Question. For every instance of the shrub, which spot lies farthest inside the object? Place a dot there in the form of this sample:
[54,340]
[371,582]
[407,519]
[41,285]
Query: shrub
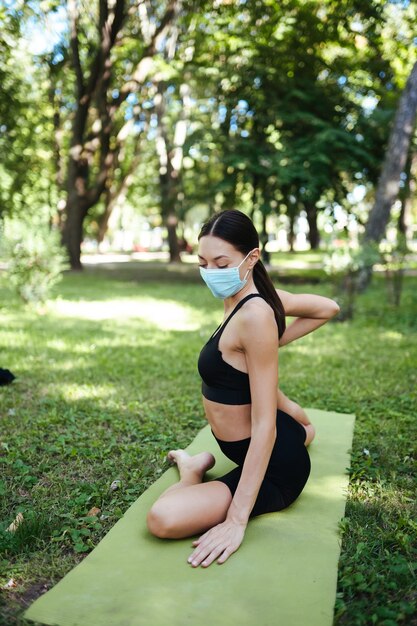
[36,259]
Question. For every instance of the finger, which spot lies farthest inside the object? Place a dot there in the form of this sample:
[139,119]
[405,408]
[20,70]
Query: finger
[201,544]
[201,538]
[201,553]
[225,555]
[213,556]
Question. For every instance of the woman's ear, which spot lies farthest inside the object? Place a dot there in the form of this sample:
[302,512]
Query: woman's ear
[255,255]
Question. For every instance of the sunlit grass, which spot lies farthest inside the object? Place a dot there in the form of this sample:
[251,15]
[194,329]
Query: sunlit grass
[164,314]
[107,382]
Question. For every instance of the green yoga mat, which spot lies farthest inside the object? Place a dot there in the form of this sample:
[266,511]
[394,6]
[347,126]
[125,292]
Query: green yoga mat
[284,573]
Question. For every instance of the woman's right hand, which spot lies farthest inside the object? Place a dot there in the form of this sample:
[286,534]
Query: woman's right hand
[217,543]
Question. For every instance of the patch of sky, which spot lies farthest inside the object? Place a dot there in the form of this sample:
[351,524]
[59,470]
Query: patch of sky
[242,107]
[46,31]
[356,26]
[161,44]
[115,93]
[151,134]
[369,103]
[222,113]
[244,133]
[132,98]
[357,194]
[139,126]
[342,80]
[57,58]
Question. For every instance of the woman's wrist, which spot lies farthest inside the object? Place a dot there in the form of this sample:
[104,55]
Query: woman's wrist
[240,518]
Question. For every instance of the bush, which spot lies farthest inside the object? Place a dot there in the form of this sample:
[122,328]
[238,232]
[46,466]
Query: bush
[36,259]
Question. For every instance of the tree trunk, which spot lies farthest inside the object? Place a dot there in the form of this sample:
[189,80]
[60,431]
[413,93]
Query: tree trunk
[73,231]
[313,232]
[394,164]
[406,195]
[171,223]
[291,233]
[116,195]
[170,153]
[266,257]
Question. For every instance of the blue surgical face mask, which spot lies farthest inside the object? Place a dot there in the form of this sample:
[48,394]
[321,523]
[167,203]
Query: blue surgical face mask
[226,282]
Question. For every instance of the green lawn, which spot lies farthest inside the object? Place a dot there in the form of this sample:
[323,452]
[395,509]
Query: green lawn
[107,383]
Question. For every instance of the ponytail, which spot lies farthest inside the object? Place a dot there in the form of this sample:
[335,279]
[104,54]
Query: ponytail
[267,290]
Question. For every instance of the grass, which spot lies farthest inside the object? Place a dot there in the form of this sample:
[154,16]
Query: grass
[107,382]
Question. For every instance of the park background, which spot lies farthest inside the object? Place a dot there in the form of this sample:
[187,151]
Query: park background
[123,125]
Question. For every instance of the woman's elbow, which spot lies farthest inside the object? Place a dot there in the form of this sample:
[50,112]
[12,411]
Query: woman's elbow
[264,430]
[332,309]
[335,308]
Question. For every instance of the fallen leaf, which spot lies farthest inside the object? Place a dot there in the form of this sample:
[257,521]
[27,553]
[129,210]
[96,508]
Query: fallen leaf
[11,583]
[13,526]
[93,511]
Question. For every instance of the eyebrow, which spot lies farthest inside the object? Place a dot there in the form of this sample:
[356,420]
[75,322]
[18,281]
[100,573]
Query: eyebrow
[216,257]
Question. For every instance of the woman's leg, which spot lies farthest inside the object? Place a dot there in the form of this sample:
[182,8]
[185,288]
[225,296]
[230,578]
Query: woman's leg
[190,506]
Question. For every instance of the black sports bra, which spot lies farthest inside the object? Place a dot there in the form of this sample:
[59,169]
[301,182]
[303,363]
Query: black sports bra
[222,382]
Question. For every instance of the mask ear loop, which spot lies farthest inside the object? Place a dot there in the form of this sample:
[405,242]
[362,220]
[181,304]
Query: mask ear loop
[247,274]
[251,268]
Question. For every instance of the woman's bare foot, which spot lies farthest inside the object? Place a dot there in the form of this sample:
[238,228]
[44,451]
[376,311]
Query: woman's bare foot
[197,464]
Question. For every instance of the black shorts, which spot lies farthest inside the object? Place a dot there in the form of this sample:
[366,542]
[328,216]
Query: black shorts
[288,468]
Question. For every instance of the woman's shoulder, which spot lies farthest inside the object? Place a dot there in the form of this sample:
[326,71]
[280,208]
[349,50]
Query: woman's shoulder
[257,314]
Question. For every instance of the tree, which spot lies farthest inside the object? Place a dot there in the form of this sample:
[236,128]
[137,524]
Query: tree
[99,93]
[394,163]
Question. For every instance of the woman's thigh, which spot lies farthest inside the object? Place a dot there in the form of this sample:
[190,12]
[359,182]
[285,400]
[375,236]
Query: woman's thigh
[189,510]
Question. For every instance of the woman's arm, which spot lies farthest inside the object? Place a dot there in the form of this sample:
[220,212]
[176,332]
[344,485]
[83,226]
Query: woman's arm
[259,341]
[311,311]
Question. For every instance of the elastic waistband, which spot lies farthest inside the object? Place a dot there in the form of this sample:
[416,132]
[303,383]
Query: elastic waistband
[227,443]
[240,441]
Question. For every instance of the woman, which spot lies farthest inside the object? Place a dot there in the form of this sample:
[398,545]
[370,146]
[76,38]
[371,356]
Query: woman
[255,424]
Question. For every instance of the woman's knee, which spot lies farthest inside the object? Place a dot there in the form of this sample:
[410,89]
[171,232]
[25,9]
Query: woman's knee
[159,521]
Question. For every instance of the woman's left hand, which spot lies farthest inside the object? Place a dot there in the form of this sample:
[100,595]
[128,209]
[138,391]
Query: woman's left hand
[217,543]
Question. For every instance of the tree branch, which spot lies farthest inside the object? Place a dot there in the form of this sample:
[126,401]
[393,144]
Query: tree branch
[142,68]
[73,19]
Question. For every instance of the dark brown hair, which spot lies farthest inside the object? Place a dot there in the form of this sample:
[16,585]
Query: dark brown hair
[237,229]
